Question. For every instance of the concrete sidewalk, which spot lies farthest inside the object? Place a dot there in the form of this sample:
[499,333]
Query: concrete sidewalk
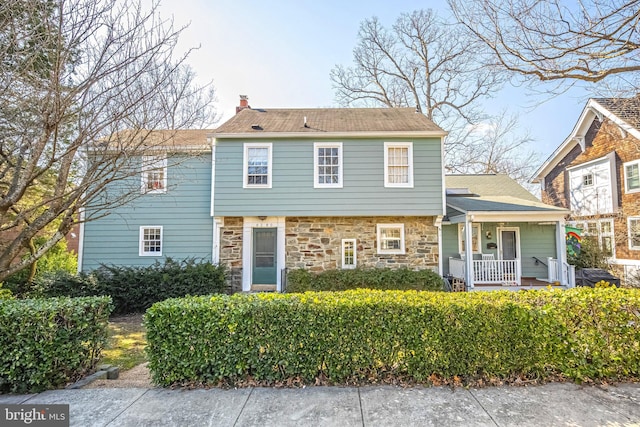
[553,404]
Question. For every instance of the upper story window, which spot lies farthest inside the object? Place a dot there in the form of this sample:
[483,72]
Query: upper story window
[634,232]
[150,241]
[154,174]
[632,176]
[587,180]
[327,165]
[398,164]
[257,165]
[475,238]
[390,238]
[349,256]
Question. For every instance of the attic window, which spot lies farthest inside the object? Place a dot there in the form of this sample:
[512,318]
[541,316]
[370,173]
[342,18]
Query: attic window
[587,180]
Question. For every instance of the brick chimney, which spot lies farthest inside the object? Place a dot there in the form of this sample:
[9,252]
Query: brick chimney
[244,103]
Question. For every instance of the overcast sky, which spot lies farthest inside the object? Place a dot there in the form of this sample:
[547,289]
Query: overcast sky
[280,53]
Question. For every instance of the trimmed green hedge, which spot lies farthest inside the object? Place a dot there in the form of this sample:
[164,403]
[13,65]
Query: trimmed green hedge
[47,343]
[301,280]
[135,289]
[362,336]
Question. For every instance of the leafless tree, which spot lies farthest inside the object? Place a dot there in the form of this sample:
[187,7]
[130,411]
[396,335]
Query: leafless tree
[497,145]
[423,61]
[83,86]
[555,40]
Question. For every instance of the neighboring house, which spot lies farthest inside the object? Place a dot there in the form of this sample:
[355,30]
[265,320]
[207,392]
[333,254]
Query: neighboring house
[325,189]
[170,211]
[516,239]
[595,173]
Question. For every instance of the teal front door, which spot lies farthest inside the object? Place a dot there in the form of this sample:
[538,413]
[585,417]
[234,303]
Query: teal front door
[264,260]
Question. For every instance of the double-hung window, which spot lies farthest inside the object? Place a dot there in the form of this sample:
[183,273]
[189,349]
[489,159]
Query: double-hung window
[602,232]
[632,176]
[475,238]
[349,253]
[150,241]
[154,174]
[327,159]
[390,238]
[257,165]
[398,164]
[634,232]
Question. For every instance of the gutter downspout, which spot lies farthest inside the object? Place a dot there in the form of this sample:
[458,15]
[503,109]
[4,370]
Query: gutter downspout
[438,223]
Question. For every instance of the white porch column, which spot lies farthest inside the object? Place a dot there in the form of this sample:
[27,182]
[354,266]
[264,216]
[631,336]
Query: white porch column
[468,251]
[561,251]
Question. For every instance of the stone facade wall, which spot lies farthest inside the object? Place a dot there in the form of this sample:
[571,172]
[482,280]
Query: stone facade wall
[231,251]
[315,243]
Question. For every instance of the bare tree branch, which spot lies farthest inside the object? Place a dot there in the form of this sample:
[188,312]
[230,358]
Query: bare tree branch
[83,86]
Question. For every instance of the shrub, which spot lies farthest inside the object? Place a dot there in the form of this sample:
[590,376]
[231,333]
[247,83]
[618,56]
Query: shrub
[135,289]
[591,255]
[5,293]
[300,280]
[57,260]
[363,336]
[47,343]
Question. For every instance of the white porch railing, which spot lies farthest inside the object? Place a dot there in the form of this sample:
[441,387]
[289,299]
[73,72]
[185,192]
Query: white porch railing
[488,271]
[496,271]
[559,270]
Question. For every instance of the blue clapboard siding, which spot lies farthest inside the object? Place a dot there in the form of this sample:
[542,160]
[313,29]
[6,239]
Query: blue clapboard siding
[536,240]
[363,192]
[184,212]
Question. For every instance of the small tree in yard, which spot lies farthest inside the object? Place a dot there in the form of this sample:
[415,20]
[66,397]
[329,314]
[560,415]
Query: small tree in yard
[84,84]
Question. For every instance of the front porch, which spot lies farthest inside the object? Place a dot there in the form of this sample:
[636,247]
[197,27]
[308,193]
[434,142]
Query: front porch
[492,274]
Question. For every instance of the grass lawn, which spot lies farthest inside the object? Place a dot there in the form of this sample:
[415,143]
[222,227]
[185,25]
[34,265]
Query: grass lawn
[127,340]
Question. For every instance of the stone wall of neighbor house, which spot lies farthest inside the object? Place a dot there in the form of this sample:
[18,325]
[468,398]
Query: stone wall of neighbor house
[315,243]
[231,251]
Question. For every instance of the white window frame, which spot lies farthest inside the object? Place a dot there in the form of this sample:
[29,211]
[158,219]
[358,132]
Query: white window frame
[584,226]
[355,253]
[245,165]
[141,242]
[151,164]
[316,165]
[588,177]
[629,219]
[624,167]
[409,147]
[461,235]
[380,228]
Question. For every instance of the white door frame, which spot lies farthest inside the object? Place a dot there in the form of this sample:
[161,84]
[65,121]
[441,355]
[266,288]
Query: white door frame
[499,230]
[248,224]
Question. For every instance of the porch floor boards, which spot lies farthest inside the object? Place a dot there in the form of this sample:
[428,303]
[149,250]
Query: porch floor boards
[526,283]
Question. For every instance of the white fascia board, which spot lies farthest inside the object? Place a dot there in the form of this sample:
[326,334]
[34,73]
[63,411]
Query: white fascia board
[615,119]
[567,145]
[525,216]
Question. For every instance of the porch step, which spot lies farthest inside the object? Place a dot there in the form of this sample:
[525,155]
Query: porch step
[263,288]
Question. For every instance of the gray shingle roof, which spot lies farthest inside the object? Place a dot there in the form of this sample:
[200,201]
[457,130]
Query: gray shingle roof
[329,120]
[627,109]
[489,185]
[495,193]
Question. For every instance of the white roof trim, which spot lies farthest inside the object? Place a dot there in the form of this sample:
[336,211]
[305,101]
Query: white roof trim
[274,135]
[592,110]
[589,163]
